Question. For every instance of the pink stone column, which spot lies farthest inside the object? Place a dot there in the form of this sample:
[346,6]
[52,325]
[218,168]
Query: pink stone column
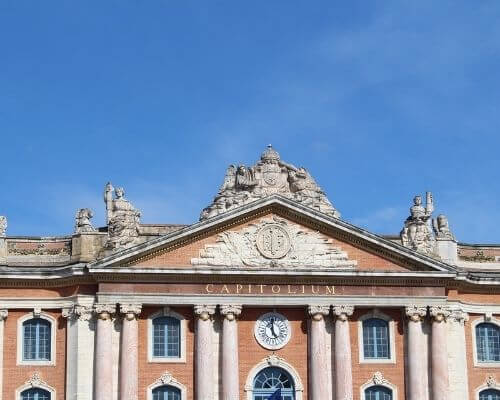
[103,355]
[416,385]
[318,364]
[129,370]
[204,360]
[439,353]
[230,365]
[343,364]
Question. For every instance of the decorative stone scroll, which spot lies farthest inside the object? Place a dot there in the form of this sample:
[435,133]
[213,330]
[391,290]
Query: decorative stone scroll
[104,311]
[3,314]
[416,313]
[459,316]
[3,225]
[318,312]
[230,311]
[204,312]
[36,380]
[273,242]
[343,312]
[439,313]
[82,220]
[269,176]
[123,219]
[131,311]
[78,311]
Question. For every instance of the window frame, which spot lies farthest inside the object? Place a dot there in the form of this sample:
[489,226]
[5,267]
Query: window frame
[167,380]
[167,312]
[482,320]
[391,336]
[20,340]
[380,382]
[485,389]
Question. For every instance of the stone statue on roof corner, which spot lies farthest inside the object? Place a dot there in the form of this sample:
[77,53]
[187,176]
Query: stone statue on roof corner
[123,219]
[417,233]
[82,220]
[268,176]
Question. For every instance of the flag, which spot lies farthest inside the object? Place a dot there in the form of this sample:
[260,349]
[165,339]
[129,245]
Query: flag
[276,395]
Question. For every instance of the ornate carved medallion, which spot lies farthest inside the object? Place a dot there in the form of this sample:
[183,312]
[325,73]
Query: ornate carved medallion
[273,241]
[272,331]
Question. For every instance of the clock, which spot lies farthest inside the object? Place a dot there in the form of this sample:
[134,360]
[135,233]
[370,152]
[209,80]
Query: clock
[272,331]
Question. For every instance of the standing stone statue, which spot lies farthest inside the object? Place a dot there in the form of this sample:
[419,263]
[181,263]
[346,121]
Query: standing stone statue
[122,217]
[268,176]
[417,234]
[82,220]
[3,225]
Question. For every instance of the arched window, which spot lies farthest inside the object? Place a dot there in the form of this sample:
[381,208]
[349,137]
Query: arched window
[166,337]
[489,394]
[376,339]
[269,380]
[36,340]
[35,394]
[488,342]
[166,393]
[378,393]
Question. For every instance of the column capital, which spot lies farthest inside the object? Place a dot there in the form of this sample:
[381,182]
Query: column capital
[343,311]
[78,311]
[317,312]
[204,311]
[439,313]
[459,316]
[230,311]
[3,314]
[104,311]
[130,310]
[415,313]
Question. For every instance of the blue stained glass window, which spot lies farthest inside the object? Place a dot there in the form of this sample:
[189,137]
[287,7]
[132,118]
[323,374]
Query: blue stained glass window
[36,340]
[166,337]
[376,338]
[489,394]
[488,342]
[166,393]
[35,394]
[378,393]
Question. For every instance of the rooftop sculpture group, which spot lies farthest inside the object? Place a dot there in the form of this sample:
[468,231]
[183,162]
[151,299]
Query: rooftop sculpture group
[418,234]
[269,176]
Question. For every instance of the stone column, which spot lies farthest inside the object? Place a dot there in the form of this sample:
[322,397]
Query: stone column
[204,360]
[439,353]
[416,368]
[457,356]
[3,316]
[343,364]
[230,365]
[129,369]
[79,352]
[103,352]
[318,363]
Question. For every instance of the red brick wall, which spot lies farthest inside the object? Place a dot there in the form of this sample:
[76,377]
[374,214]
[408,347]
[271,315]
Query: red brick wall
[14,375]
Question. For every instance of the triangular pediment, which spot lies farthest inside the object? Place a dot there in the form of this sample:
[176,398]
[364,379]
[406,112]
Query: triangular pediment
[273,234]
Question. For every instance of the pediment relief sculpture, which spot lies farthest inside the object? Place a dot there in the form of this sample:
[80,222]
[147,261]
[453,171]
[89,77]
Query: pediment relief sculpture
[268,176]
[273,242]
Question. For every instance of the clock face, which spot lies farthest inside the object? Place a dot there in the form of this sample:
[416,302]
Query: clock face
[272,331]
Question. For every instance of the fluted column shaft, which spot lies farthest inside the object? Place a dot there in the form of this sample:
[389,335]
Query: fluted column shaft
[318,364]
[204,362]
[129,369]
[416,385]
[230,364]
[439,353]
[343,364]
[103,353]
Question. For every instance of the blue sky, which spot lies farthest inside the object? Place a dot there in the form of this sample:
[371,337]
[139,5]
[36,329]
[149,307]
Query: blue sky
[379,100]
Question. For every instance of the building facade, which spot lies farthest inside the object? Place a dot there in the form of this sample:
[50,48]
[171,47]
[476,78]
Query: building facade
[270,290]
